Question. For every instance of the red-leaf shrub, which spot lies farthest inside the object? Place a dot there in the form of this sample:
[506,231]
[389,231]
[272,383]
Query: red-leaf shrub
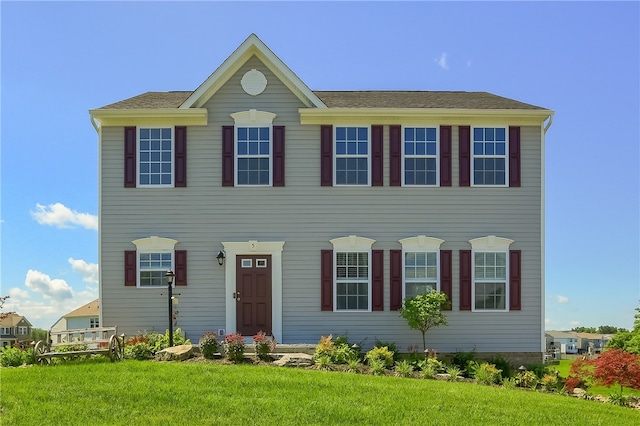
[617,366]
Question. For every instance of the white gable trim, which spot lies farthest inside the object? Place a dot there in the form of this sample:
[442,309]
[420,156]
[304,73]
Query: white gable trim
[250,47]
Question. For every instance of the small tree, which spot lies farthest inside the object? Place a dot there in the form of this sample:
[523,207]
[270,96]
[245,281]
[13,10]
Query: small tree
[617,366]
[424,312]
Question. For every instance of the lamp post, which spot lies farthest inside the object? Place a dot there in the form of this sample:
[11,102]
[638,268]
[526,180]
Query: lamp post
[170,276]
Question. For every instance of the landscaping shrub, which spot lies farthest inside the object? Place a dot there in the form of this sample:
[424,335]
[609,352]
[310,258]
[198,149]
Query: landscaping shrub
[391,346]
[380,355]
[526,379]
[403,368]
[264,346]
[209,344]
[234,347]
[486,374]
[462,359]
[159,341]
[15,357]
[338,351]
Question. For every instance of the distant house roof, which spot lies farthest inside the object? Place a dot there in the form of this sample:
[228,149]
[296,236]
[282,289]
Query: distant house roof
[354,99]
[562,334]
[13,319]
[594,336]
[89,310]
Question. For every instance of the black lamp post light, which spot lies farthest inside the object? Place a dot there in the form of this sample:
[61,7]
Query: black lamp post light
[220,257]
[170,276]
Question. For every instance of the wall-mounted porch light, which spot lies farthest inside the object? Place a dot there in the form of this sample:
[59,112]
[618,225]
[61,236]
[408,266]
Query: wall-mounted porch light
[220,257]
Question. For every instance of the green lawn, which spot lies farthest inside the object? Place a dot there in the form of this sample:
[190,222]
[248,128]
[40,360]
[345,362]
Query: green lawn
[154,393]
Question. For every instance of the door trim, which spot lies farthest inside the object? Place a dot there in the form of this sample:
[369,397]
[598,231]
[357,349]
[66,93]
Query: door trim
[253,247]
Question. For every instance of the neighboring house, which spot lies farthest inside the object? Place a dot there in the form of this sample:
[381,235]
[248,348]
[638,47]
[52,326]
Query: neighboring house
[564,341]
[87,316]
[15,329]
[595,341]
[329,207]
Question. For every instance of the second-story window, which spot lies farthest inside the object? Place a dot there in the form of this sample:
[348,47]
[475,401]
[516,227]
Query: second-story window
[254,155]
[489,167]
[155,156]
[352,156]
[420,149]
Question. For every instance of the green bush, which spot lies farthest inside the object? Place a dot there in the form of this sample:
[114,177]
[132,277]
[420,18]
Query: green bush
[403,368]
[15,357]
[209,344]
[140,350]
[159,341]
[382,354]
[486,374]
[391,346]
[234,347]
[526,379]
[338,351]
[462,360]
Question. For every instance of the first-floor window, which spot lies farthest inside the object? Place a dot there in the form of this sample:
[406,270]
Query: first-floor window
[6,330]
[94,322]
[352,281]
[420,272]
[490,280]
[152,267]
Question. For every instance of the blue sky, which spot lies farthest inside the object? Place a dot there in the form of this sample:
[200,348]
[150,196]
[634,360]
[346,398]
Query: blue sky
[58,60]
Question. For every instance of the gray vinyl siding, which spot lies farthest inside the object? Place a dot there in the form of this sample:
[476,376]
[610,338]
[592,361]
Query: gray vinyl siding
[306,216]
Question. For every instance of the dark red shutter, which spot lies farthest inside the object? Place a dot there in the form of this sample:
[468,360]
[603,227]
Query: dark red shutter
[395,155]
[464,146]
[227,155]
[278,155]
[326,155]
[130,268]
[326,280]
[396,280]
[181,267]
[514,156]
[377,155]
[446,276]
[465,280]
[445,155]
[180,156]
[377,280]
[130,157]
[515,280]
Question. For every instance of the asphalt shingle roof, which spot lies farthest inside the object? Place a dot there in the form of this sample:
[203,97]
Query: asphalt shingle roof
[354,99]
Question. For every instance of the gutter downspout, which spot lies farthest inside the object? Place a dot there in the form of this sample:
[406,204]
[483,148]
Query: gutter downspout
[543,283]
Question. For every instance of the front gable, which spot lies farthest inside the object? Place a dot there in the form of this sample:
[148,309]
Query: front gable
[251,82]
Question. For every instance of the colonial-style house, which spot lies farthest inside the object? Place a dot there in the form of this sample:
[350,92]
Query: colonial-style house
[15,330]
[86,316]
[305,213]
[564,342]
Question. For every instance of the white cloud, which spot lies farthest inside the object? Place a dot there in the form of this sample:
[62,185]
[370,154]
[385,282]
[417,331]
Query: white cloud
[89,271]
[55,289]
[561,299]
[442,61]
[574,323]
[62,216]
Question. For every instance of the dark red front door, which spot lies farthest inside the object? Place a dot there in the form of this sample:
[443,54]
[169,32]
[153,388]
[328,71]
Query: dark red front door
[253,294]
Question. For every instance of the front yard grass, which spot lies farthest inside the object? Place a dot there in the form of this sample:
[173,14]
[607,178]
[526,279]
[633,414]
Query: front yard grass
[163,393]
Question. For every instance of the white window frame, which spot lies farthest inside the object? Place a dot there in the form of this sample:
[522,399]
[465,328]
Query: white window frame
[420,244]
[152,245]
[351,244]
[94,322]
[505,156]
[252,119]
[336,155]
[139,158]
[489,244]
[436,157]
[23,330]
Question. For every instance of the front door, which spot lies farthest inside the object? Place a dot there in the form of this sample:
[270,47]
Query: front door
[253,294]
